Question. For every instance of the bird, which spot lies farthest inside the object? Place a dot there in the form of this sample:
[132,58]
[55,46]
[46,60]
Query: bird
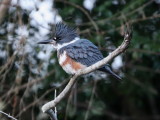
[75,53]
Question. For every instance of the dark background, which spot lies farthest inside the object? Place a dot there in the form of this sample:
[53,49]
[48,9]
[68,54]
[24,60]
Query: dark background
[27,81]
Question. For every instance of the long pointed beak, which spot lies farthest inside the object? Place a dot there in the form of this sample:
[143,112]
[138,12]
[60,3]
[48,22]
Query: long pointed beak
[45,42]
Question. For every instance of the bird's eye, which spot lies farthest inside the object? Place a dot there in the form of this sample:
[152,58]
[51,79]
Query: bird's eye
[54,38]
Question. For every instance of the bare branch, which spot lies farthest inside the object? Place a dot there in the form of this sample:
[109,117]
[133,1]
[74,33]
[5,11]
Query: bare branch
[8,115]
[3,9]
[119,50]
[50,112]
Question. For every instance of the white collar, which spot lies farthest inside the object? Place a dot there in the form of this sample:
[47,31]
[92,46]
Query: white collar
[59,46]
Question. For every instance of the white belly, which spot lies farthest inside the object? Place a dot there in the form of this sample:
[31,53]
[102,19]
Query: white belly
[68,68]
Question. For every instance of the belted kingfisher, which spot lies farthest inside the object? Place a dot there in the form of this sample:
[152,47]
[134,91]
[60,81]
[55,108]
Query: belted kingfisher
[74,53]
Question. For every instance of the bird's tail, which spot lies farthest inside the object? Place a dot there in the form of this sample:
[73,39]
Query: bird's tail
[108,70]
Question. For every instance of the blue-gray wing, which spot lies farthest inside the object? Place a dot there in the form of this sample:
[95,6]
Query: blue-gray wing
[84,52]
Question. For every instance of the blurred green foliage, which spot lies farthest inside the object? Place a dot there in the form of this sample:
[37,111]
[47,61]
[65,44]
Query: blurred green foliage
[135,98]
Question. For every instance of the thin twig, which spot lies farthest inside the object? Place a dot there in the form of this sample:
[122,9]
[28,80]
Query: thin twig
[83,10]
[35,102]
[91,100]
[8,115]
[118,16]
[50,112]
[29,84]
[55,109]
[119,50]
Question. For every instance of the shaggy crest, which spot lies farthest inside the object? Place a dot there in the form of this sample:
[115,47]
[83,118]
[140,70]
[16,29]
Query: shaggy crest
[62,30]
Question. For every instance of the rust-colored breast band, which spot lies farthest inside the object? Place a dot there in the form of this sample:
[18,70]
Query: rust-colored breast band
[74,65]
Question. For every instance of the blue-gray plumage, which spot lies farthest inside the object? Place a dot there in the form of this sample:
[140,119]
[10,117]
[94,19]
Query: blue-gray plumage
[83,51]
[74,53]
[86,53]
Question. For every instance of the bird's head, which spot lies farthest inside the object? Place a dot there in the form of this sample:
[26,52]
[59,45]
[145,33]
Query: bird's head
[62,34]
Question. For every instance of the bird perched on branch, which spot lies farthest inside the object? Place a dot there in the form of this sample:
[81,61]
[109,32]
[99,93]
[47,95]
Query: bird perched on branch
[75,53]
